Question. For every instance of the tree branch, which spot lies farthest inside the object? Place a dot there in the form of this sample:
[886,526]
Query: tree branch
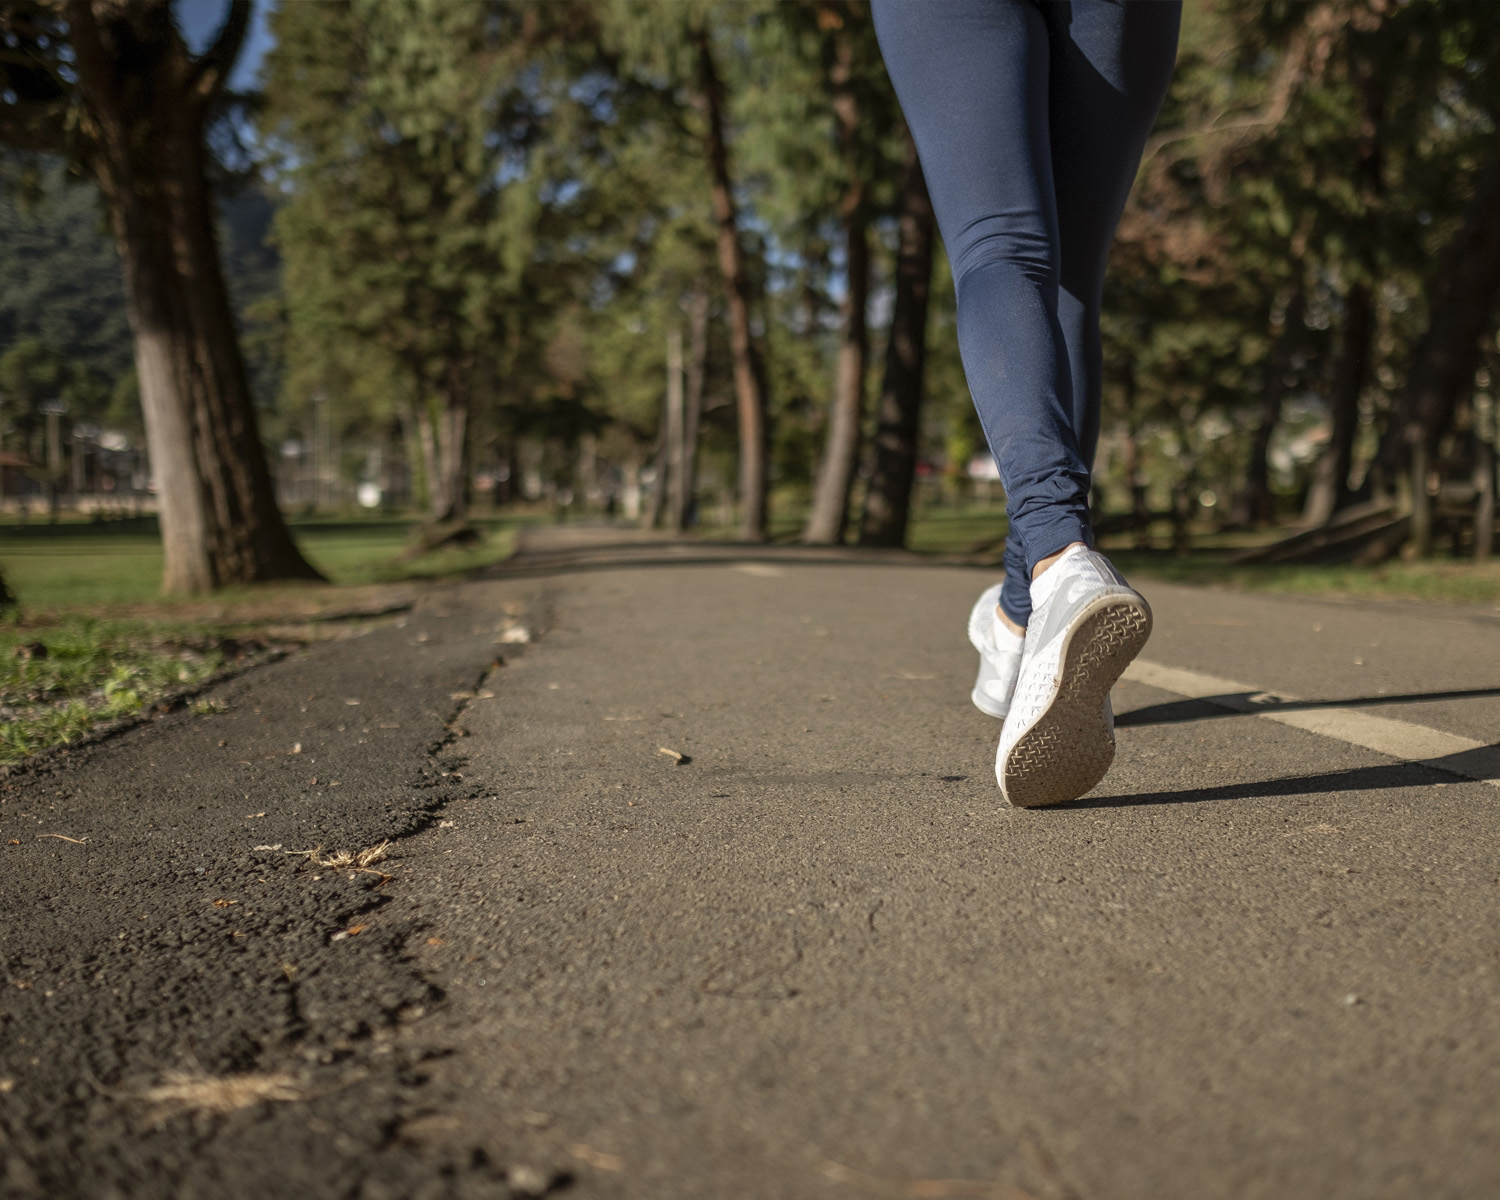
[212,68]
[41,128]
[98,83]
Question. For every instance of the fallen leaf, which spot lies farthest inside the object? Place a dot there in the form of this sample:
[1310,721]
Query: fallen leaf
[596,1158]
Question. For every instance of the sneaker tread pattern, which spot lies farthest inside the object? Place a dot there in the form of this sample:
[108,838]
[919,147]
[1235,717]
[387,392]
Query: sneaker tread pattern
[1071,745]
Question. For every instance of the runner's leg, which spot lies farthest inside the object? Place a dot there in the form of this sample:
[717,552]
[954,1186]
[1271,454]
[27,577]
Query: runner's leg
[972,77]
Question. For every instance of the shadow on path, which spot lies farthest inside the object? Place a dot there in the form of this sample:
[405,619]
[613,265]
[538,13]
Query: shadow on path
[1355,779]
[1249,704]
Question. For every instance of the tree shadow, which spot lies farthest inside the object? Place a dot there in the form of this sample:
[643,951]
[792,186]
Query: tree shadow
[1465,765]
[1239,704]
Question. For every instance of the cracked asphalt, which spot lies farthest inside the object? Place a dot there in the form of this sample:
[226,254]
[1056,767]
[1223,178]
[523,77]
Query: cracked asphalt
[813,956]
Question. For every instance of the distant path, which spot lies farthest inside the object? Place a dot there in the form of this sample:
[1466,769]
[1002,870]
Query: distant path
[817,958]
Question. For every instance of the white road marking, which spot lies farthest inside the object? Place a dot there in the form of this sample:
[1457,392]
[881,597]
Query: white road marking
[1385,735]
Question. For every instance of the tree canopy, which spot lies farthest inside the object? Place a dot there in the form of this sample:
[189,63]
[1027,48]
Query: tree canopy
[673,250]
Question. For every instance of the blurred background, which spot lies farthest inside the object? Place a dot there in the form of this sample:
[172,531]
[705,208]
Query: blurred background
[671,264]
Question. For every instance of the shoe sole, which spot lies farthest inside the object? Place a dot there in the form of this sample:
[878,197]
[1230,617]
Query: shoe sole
[1070,747]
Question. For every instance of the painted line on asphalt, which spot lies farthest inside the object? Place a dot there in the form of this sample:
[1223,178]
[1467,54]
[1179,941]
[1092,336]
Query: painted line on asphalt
[1396,739]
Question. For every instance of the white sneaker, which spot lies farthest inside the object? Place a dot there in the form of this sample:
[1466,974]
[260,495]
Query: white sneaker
[999,655]
[1086,625]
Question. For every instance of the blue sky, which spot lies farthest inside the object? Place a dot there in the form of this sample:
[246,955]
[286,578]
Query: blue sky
[199,21]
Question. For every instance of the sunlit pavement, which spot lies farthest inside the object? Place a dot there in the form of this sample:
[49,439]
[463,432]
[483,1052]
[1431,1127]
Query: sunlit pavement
[722,900]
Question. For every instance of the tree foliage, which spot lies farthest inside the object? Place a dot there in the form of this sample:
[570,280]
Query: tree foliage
[608,248]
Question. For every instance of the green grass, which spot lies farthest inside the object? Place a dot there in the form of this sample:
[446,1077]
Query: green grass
[976,531]
[75,582]
[59,681]
[957,530]
[1440,581]
[84,567]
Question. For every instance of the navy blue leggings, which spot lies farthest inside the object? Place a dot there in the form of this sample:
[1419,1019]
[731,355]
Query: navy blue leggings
[1030,118]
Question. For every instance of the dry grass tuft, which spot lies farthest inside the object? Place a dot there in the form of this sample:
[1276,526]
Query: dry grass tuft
[347,860]
[180,1092]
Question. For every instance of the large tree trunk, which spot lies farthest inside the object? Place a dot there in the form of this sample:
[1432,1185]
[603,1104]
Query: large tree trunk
[1461,297]
[147,102]
[1255,504]
[888,500]
[685,512]
[749,383]
[421,450]
[442,427]
[657,504]
[1329,490]
[450,483]
[830,505]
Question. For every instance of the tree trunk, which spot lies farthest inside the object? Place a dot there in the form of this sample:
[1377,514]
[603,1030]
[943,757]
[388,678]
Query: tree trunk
[1184,505]
[1484,494]
[888,500]
[829,517]
[661,459]
[1255,504]
[672,433]
[1461,295]
[146,102]
[1329,490]
[697,369]
[1420,545]
[419,418]
[749,384]
[830,506]
[450,484]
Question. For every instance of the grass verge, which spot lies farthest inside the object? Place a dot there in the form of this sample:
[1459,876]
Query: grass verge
[1436,581]
[93,642]
[84,567]
[62,679]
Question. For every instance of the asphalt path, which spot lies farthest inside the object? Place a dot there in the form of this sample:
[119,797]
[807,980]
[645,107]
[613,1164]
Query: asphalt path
[708,891]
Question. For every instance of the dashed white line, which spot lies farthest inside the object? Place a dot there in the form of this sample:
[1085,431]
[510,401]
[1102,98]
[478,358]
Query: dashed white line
[1397,739]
